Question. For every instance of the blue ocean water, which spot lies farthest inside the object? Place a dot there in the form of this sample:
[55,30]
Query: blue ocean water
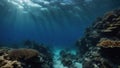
[56,23]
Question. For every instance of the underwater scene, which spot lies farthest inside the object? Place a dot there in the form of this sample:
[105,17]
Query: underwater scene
[59,33]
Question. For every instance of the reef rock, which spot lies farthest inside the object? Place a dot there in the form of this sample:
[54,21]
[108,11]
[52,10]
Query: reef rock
[23,58]
[100,46]
[5,62]
[45,52]
[67,58]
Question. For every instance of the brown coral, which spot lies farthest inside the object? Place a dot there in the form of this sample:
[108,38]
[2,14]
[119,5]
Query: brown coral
[109,43]
[24,54]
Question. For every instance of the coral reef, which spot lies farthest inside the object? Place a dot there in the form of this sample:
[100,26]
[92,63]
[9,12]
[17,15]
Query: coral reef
[35,56]
[101,43]
[44,51]
[93,59]
[17,57]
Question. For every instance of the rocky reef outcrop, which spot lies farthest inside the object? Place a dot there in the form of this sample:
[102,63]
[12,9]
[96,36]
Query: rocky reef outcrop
[5,61]
[26,57]
[68,58]
[100,46]
[44,50]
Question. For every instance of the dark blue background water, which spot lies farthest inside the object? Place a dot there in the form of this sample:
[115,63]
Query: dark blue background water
[56,26]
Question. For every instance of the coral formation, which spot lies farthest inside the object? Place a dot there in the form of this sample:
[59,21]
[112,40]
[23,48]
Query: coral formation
[25,54]
[14,58]
[108,43]
[100,46]
[36,56]
[44,51]
[5,62]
